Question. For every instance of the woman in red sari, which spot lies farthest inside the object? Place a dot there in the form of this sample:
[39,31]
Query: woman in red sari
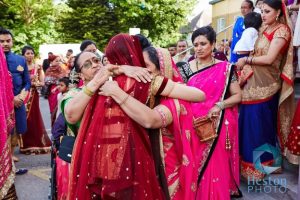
[7,171]
[36,139]
[119,164]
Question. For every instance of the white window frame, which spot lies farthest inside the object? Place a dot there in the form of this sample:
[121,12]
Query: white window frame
[221,24]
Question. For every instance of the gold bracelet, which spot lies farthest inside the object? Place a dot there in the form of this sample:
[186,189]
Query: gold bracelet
[87,91]
[124,100]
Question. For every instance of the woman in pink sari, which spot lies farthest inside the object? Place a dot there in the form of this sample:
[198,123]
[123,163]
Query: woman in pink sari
[217,159]
[7,171]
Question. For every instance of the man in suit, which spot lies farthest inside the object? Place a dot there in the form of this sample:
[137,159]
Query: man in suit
[21,84]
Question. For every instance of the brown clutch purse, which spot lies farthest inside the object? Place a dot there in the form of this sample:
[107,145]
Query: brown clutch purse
[206,127]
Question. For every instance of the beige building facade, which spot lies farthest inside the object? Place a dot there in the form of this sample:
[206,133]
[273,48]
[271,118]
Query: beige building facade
[224,14]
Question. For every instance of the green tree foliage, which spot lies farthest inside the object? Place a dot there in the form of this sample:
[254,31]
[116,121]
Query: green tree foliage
[160,20]
[31,21]
[99,20]
[88,19]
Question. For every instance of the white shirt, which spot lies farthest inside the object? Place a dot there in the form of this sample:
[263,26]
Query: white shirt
[247,41]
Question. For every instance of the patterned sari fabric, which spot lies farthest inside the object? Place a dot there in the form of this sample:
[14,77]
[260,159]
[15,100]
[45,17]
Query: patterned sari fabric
[176,139]
[267,94]
[112,156]
[36,139]
[293,146]
[215,182]
[7,172]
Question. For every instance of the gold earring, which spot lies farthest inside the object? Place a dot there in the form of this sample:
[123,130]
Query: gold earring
[277,17]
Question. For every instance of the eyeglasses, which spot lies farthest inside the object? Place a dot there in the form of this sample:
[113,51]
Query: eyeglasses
[89,63]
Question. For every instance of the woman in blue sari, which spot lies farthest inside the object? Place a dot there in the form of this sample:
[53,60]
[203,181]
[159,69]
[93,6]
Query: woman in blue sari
[266,110]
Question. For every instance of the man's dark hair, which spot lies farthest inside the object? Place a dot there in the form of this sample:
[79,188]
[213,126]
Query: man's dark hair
[251,4]
[70,50]
[253,19]
[65,80]
[182,40]
[27,47]
[4,31]
[86,43]
[172,45]
[257,2]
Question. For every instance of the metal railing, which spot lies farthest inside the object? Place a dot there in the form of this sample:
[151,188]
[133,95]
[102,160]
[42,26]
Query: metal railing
[221,31]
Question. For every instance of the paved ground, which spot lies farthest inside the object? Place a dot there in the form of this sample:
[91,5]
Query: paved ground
[35,184]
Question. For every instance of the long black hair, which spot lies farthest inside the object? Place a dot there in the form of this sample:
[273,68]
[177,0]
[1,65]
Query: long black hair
[275,4]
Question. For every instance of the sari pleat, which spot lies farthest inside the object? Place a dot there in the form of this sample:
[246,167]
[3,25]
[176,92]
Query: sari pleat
[216,182]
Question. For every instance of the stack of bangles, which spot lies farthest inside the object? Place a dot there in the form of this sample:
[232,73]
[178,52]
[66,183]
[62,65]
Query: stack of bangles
[221,105]
[87,91]
[249,60]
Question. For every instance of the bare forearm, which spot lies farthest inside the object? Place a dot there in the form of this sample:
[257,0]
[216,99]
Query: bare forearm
[137,111]
[181,91]
[236,95]
[75,108]
[294,7]
[232,100]
[261,60]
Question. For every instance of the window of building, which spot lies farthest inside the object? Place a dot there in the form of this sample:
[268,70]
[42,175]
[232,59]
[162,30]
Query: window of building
[221,23]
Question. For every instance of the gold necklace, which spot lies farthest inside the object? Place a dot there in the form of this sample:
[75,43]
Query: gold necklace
[202,65]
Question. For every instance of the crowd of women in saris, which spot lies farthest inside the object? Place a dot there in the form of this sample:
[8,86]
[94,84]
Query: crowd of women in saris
[137,135]
[141,133]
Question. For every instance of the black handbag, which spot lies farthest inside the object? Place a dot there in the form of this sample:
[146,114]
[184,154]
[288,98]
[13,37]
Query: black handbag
[66,148]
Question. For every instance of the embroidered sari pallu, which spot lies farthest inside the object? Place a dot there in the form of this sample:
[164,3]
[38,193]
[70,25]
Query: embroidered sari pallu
[215,182]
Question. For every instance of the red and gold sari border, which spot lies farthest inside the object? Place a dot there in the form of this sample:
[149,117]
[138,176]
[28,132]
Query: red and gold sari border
[292,158]
[256,101]
[287,79]
[248,170]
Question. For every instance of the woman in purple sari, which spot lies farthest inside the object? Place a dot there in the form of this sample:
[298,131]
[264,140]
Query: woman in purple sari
[218,81]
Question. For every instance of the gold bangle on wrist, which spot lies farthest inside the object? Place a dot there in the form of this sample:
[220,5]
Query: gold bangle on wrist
[87,91]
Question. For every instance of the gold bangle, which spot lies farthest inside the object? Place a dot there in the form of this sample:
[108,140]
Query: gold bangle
[124,100]
[87,91]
